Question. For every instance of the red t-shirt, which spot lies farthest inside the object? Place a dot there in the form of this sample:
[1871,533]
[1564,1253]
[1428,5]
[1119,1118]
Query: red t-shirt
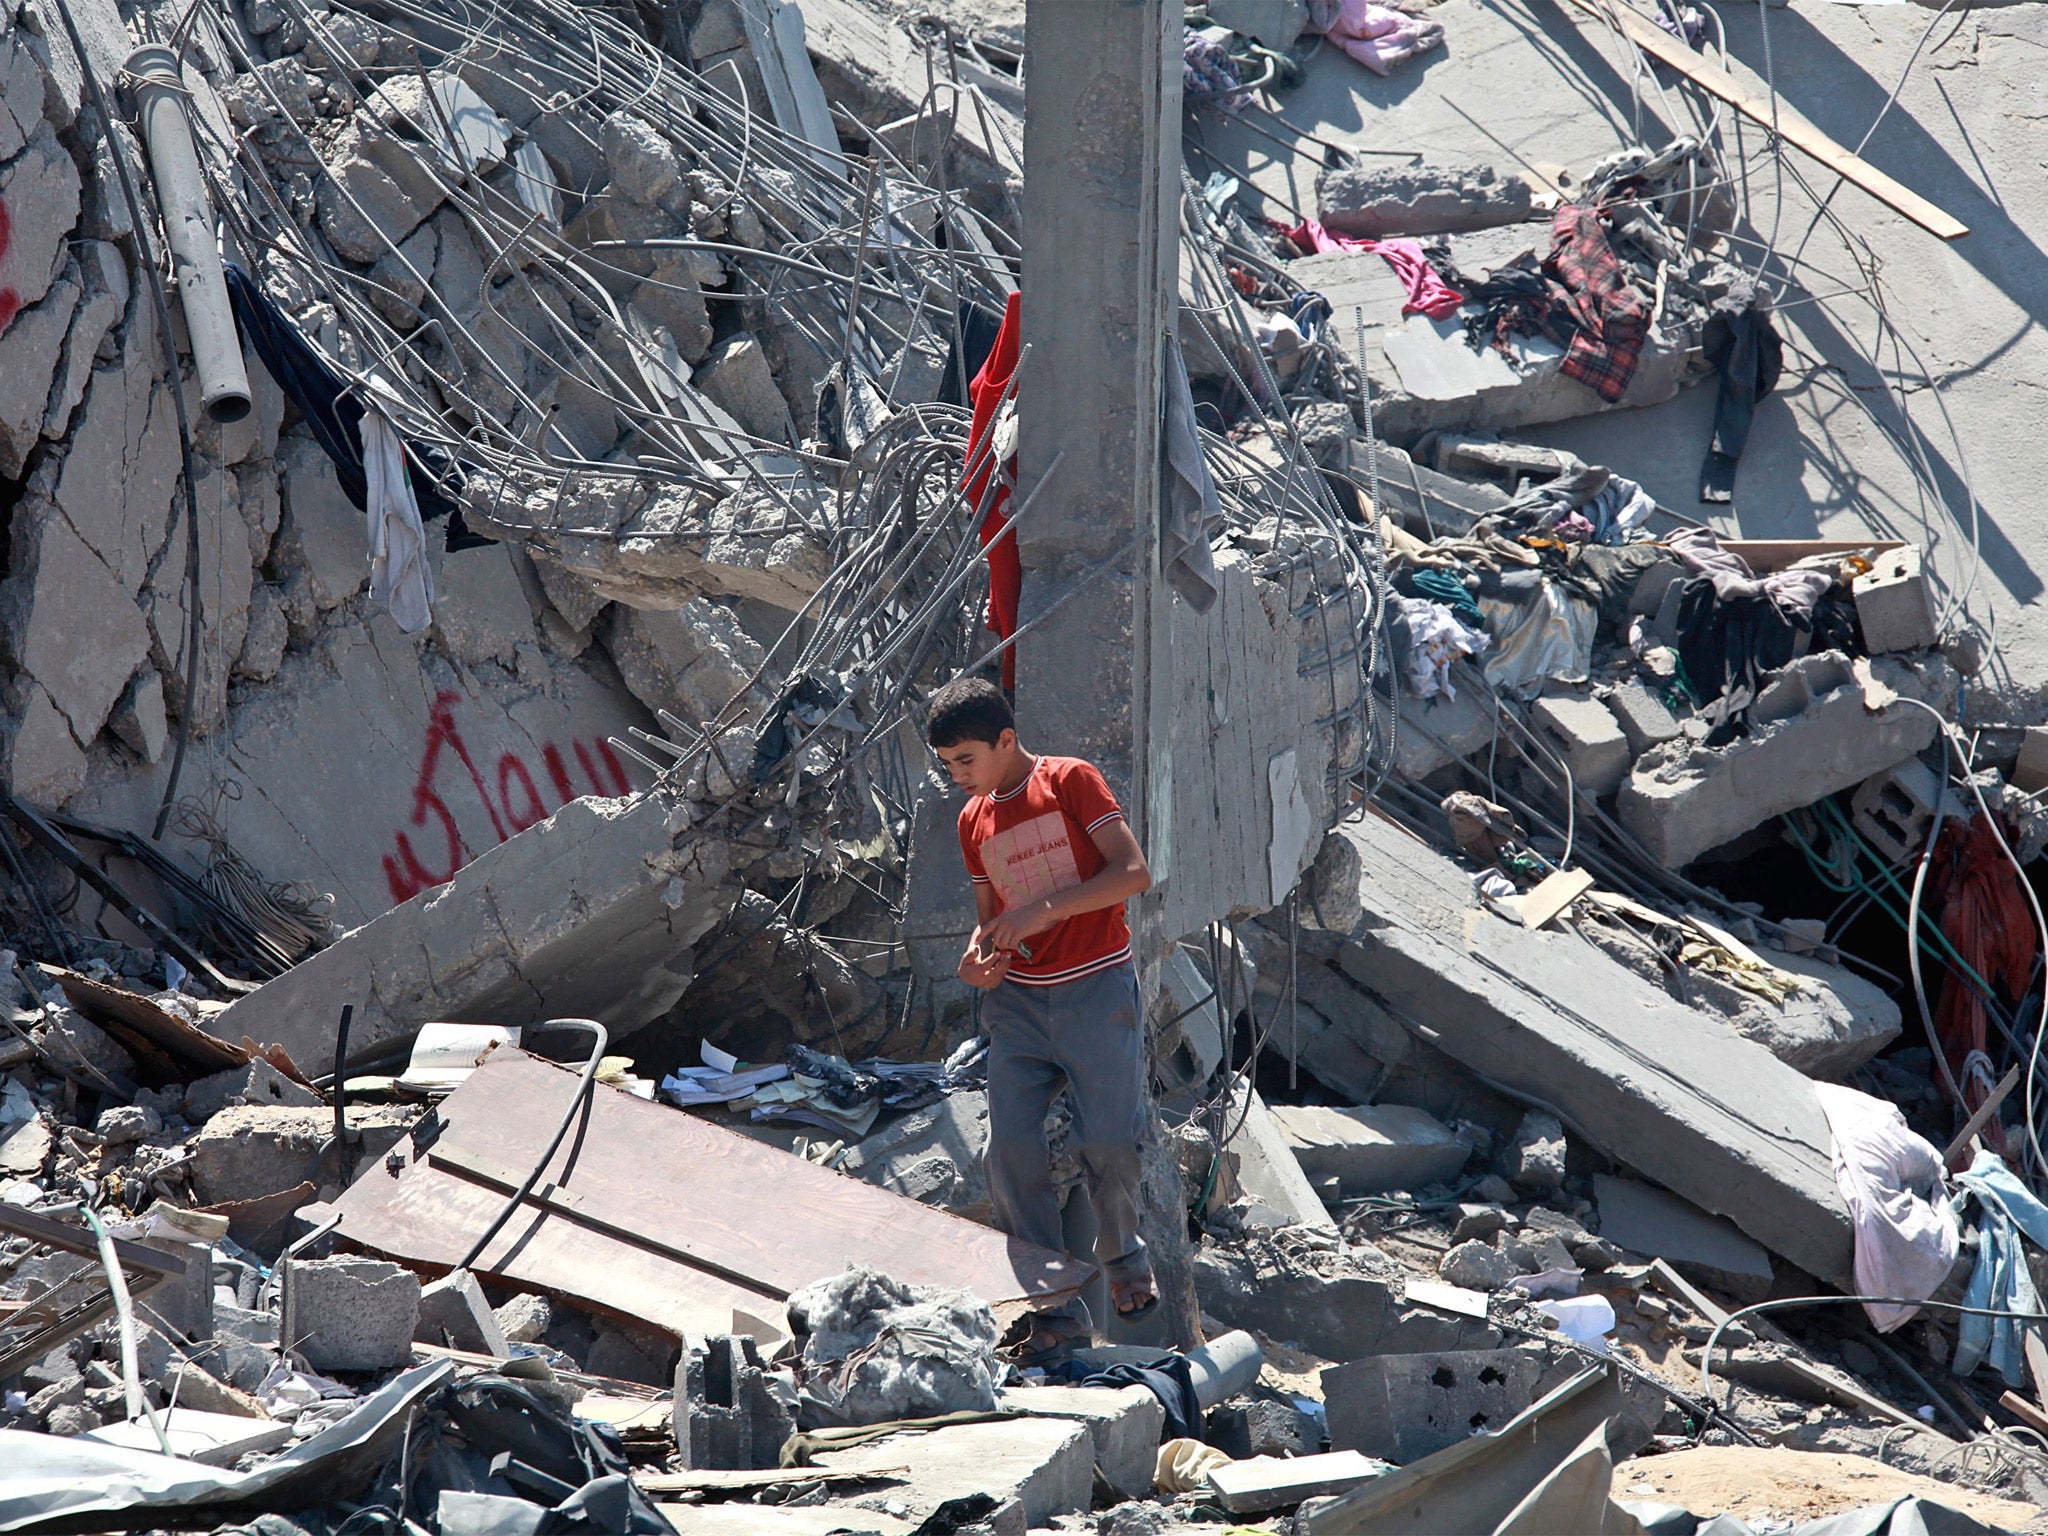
[1038,839]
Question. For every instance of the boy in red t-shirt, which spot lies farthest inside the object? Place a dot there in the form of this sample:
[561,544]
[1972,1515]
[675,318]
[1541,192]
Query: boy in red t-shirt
[1053,861]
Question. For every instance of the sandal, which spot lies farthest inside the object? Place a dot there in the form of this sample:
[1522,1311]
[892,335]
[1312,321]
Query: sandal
[1121,1292]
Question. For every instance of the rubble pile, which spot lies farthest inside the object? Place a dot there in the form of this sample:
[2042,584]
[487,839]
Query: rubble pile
[491,494]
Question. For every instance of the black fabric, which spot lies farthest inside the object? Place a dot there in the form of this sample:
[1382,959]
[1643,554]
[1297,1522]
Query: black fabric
[1615,569]
[1169,1378]
[1728,648]
[1751,357]
[334,413]
[973,340]
[460,1430]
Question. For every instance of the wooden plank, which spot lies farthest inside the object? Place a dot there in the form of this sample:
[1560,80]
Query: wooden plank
[1832,1389]
[1955,1159]
[650,1213]
[1790,125]
[2037,1360]
[2024,1411]
[1550,896]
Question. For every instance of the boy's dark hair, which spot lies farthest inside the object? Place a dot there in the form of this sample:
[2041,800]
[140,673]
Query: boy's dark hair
[968,709]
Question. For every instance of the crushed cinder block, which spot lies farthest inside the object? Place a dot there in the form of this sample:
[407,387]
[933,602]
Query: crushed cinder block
[351,1314]
[1261,1427]
[1373,1148]
[524,1319]
[726,1413]
[1895,603]
[453,1313]
[1401,1408]
[1476,1265]
[1590,740]
[1642,716]
[1536,1154]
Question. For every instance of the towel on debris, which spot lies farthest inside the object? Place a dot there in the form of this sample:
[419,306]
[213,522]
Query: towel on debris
[1428,294]
[1892,1182]
[1381,36]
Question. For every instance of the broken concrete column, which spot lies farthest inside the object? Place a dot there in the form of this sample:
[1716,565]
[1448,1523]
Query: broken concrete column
[352,1314]
[736,375]
[726,1413]
[692,661]
[1821,725]
[1373,200]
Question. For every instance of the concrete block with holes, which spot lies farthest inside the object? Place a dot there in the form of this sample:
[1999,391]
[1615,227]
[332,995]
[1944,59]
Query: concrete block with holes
[1401,1408]
[1895,604]
[1589,740]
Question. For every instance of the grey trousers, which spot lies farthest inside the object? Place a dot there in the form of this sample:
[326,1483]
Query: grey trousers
[1084,1036]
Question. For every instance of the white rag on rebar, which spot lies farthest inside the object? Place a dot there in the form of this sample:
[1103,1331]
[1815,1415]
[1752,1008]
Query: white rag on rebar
[399,577]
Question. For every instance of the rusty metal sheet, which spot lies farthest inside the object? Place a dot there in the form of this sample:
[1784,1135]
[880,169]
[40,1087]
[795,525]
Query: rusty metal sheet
[188,1045]
[654,1214]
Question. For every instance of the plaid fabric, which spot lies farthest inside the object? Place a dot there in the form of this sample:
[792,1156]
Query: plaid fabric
[1611,319]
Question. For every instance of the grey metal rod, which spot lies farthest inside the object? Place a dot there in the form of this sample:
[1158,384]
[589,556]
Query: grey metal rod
[188,230]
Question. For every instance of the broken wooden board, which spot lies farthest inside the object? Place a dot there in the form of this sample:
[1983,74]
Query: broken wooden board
[653,1214]
[1778,116]
[187,1045]
[1550,896]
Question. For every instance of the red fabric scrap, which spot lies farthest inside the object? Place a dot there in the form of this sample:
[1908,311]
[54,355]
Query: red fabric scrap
[1428,294]
[1986,916]
[1005,570]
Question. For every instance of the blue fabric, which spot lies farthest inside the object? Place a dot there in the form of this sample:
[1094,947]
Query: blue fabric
[2006,1210]
[335,414]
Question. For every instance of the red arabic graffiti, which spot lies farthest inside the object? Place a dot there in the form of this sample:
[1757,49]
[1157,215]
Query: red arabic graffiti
[10,301]
[511,798]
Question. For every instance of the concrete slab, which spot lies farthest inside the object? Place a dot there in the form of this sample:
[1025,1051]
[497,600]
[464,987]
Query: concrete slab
[1372,1148]
[1672,1092]
[1657,1224]
[1124,1426]
[1338,1317]
[1265,1482]
[1046,1465]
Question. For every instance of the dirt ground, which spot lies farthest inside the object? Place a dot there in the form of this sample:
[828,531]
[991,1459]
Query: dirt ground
[1760,1485]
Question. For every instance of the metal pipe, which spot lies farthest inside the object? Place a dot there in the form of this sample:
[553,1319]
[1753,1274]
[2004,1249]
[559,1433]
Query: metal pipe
[188,231]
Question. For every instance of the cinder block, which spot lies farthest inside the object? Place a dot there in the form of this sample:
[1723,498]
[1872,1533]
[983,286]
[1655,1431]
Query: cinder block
[1895,808]
[353,1314]
[1643,719]
[1590,741]
[1895,603]
[725,1414]
[1404,1407]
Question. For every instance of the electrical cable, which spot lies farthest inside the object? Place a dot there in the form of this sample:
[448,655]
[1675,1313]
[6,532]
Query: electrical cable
[579,1101]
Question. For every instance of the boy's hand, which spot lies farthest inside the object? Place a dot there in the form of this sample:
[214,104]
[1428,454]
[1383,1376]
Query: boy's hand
[983,965]
[1009,931]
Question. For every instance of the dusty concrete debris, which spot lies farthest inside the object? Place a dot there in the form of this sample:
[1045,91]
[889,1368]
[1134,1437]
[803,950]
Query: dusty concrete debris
[352,1314]
[1374,201]
[727,1412]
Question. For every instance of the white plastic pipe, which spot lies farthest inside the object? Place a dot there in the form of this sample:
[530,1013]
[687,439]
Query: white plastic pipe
[188,230]
[1224,1367]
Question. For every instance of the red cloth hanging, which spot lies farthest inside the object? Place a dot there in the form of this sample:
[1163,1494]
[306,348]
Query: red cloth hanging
[1986,916]
[1005,570]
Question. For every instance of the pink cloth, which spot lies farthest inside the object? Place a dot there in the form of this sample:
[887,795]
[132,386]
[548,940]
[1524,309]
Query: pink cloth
[1379,37]
[1428,294]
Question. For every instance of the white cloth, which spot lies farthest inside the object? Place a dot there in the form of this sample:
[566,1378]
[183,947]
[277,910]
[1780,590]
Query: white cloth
[1897,1193]
[399,577]
[1436,638]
